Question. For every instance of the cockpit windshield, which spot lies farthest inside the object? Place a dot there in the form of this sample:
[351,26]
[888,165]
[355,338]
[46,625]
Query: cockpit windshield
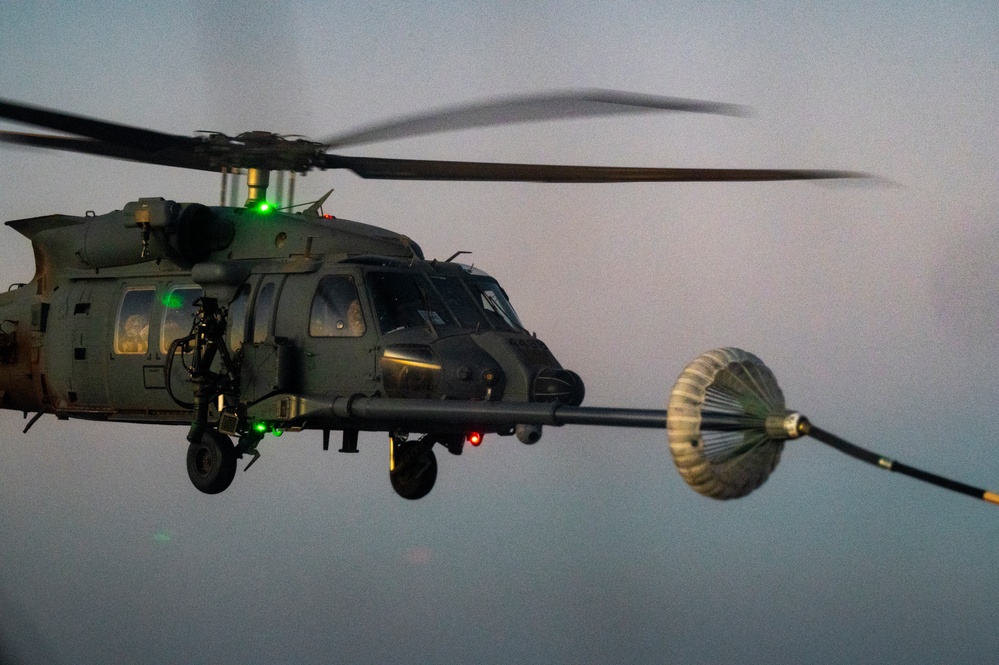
[448,295]
[495,303]
[405,300]
[460,301]
[477,300]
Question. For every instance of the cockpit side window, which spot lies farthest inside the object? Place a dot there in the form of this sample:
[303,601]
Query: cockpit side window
[336,309]
[131,333]
[178,314]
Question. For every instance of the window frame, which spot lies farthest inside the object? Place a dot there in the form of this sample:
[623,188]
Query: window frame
[120,324]
[167,311]
[344,323]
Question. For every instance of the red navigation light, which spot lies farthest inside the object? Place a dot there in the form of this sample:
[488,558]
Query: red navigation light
[474,438]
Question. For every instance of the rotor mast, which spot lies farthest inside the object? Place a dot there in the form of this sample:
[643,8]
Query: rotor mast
[258,182]
[256,186]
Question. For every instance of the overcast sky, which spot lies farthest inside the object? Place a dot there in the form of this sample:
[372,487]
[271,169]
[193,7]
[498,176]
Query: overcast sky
[876,307]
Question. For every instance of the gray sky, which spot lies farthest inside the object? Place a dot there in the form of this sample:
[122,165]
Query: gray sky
[876,307]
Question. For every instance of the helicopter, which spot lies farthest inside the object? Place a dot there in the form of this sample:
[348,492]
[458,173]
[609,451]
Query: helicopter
[246,320]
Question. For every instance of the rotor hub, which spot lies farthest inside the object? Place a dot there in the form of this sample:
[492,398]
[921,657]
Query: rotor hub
[260,150]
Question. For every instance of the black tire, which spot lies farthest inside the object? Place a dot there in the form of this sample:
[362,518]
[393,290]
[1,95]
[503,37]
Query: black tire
[415,473]
[211,463]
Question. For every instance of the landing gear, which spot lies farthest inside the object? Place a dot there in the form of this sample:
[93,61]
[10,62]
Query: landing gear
[208,339]
[412,466]
[211,457]
[211,462]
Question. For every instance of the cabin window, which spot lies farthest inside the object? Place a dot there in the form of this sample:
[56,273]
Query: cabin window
[237,318]
[131,334]
[406,301]
[263,312]
[336,309]
[178,314]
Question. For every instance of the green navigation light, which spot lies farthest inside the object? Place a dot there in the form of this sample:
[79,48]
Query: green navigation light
[172,300]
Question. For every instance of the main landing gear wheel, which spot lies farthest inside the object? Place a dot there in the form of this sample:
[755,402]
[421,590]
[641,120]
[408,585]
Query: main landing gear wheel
[413,468]
[211,463]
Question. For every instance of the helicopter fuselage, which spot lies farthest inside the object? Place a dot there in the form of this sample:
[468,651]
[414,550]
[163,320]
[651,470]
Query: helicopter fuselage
[316,309]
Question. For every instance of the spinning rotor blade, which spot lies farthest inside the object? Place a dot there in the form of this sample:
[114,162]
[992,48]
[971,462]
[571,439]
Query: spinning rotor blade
[527,108]
[271,152]
[102,130]
[168,156]
[414,169]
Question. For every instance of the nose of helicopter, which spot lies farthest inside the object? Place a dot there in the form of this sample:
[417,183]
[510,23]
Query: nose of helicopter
[558,385]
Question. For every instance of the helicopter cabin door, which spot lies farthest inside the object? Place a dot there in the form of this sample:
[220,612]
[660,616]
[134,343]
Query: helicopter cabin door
[86,320]
[338,356]
[147,317]
[269,360]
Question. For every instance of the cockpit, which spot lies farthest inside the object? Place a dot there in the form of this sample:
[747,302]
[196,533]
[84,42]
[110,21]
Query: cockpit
[442,298]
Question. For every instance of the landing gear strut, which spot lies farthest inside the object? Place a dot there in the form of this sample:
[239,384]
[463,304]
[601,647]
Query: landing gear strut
[412,466]
[209,340]
[211,456]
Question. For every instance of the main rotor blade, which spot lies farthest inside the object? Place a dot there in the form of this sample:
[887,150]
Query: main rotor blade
[271,152]
[413,169]
[126,135]
[174,155]
[527,108]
